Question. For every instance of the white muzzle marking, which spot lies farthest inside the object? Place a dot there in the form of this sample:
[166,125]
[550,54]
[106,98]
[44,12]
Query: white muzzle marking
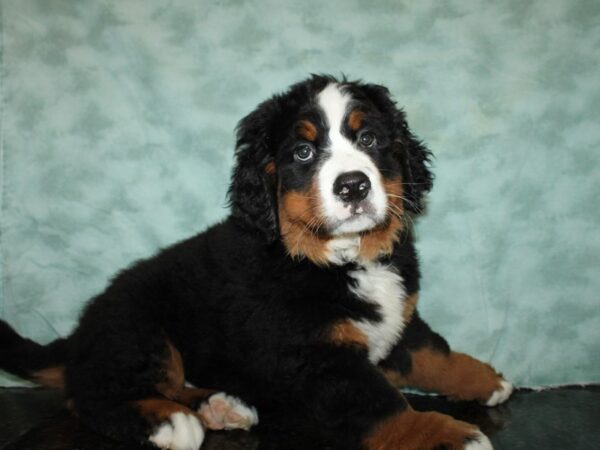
[344,156]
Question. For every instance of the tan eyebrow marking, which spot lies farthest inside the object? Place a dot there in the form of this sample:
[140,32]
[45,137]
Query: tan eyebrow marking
[355,119]
[270,168]
[307,130]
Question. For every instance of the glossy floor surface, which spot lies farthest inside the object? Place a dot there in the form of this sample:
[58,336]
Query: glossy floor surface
[565,419]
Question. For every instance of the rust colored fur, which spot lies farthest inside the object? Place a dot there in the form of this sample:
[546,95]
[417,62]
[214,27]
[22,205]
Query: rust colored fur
[411,430]
[271,168]
[307,130]
[456,375]
[355,119]
[410,305]
[380,241]
[299,219]
[173,386]
[52,377]
[174,380]
[346,333]
[300,222]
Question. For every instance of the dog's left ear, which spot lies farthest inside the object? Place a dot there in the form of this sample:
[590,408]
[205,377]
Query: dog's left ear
[414,156]
[252,192]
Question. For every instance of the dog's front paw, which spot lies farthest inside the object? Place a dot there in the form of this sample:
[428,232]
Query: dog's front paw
[411,430]
[479,442]
[501,394]
[224,412]
[181,432]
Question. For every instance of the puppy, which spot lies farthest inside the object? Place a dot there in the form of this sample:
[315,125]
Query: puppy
[303,299]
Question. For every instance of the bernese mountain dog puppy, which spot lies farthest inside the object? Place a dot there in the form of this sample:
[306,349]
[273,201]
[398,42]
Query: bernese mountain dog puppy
[302,303]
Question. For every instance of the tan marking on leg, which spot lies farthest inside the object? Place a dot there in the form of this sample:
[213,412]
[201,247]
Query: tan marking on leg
[173,386]
[355,119]
[299,222]
[52,377]
[411,430]
[174,380]
[346,333]
[271,168]
[459,376]
[381,240]
[307,130]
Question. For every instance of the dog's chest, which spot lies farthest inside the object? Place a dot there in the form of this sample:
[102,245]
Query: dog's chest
[380,285]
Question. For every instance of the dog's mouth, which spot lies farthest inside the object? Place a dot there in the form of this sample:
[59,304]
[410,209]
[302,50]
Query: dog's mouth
[354,217]
[308,227]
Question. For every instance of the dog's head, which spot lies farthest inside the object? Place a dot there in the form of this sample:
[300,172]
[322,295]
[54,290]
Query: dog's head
[328,163]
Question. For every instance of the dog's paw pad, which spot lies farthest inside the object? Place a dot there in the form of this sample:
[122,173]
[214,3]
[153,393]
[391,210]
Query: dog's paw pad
[501,394]
[479,442]
[181,432]
[224,412]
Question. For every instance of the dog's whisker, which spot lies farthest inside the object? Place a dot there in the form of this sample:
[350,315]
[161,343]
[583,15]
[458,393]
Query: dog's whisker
[403,198]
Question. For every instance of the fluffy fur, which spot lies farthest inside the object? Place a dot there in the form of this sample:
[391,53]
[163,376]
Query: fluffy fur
[302,303]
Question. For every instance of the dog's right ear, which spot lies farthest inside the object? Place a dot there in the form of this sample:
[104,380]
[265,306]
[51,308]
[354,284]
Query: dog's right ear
[252,192]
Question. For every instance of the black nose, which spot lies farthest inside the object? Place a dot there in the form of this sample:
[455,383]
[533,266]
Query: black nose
[352,186]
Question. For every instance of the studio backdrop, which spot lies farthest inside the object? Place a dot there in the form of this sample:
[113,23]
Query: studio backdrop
[117,136]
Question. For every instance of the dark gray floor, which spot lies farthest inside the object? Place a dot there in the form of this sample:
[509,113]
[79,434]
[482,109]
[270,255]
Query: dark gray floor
[565,419]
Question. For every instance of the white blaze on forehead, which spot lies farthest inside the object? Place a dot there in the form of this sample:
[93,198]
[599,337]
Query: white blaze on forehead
[334,104]
[344,157]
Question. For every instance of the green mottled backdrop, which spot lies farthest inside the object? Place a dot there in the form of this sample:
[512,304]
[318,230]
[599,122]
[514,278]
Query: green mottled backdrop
[117,138]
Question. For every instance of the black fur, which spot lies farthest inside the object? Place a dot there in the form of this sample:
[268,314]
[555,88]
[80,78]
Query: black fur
[246,317]
[22,356]
[415,157]
[252,193]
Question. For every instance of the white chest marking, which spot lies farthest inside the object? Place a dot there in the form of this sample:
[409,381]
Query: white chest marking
[379,284]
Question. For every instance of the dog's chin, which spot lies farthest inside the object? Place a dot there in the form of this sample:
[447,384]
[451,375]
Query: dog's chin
[357,223]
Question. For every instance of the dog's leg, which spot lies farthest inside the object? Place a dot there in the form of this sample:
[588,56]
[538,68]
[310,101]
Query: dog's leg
[153,420]
[170,424]
[128,382]
[424,360]
[425,431]
[124,381]
[350,399]
[218,410]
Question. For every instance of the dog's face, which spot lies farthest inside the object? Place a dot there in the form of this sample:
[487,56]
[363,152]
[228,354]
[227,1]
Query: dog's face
[328,162]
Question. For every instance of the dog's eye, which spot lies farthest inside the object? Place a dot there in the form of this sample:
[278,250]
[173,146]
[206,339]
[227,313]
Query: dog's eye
[367,139]
[304,153]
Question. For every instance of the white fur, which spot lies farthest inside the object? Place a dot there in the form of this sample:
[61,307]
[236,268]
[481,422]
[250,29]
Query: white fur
[343,249]
[481,443]
[380,284]
[344,156]
[182,432]
[500,395]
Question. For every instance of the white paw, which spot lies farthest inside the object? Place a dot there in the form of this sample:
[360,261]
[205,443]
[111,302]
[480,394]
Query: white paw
[481,442]
[500,395]
[182,432]
[223,411]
